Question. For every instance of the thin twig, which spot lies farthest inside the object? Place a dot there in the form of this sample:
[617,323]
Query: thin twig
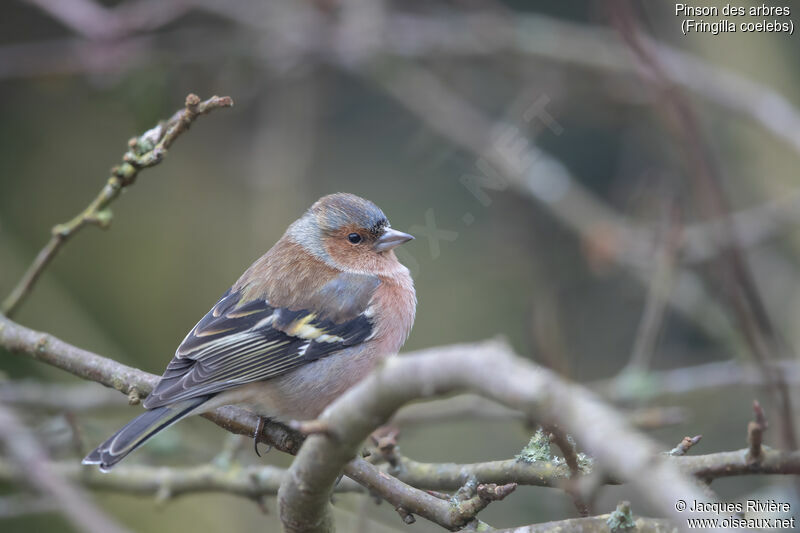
[755,434]
[657,292]
[385,441]
[567,447]
[408,499]
[144,151]
[684,445]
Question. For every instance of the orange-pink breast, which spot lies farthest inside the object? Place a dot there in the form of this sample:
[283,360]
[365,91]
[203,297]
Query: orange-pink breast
[395,304]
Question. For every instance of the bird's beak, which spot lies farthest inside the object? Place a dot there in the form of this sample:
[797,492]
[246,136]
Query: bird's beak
[390,239]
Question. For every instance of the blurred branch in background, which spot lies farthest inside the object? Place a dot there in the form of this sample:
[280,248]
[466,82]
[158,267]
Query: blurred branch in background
[729,271]
[96,22]
[17,506]
[77,399]
[55,397]
[454,33]
[145,151]
[404,35]
[476,408]
[30,463]
[696,378]
[538,175]
[661,285]
[166,483]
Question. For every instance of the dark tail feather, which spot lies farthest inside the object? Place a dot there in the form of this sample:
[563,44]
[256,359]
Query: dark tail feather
[138,431]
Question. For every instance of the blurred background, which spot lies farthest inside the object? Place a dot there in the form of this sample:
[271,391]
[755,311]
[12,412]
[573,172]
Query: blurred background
[540,152]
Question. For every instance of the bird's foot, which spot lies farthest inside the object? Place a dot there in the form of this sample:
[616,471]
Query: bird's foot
[260,435]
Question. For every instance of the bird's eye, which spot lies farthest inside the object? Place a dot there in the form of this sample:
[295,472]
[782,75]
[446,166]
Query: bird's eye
[355,238]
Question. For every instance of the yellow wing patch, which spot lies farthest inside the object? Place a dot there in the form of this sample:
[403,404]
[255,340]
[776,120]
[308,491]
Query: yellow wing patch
[304,328]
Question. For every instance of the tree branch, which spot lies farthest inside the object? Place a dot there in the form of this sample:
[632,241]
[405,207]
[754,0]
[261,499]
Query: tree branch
[144,151]
[452,476]
[755,434]
[736,463]
[684,445]
[436,476]
[88,365]
[254,481]
[303,497]
[451,514]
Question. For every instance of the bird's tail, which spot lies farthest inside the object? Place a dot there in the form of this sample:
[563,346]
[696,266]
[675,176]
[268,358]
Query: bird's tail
[138,431]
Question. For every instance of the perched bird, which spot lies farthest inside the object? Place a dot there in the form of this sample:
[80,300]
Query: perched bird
[304,323]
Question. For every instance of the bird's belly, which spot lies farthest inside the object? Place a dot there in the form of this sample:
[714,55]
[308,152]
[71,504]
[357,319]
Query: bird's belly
[303,393]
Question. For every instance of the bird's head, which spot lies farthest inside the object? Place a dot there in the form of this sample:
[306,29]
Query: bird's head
[349,233]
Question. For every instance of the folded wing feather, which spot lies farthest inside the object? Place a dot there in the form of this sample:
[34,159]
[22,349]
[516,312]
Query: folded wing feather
[237,343]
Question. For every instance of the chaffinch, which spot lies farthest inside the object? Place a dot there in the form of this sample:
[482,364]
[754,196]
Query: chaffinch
[304,323]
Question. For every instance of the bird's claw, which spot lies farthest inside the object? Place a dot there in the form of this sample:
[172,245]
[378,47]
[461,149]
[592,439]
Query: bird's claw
[259,433]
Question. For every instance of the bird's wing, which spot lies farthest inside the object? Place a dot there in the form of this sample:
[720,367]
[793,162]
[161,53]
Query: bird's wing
[238,343]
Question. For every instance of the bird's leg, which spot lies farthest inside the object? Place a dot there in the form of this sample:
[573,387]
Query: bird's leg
[259,435]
